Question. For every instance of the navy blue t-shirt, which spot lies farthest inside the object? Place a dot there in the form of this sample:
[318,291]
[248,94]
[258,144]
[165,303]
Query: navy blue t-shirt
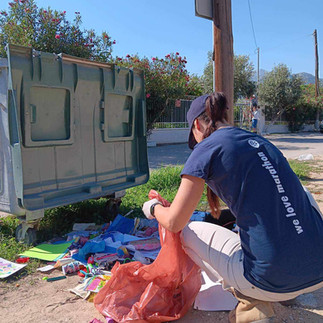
[281,233]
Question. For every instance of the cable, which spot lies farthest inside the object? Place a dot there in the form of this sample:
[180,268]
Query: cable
[253,29]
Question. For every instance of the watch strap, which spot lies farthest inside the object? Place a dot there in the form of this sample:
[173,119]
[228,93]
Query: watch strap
[152,208]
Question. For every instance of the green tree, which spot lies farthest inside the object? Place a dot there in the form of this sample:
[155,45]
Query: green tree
[48,30]
[207,77]
[279,91]
[309,99]
[166,79]
[243,73]
[308,95]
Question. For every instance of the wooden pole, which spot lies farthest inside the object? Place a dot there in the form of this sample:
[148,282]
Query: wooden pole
[223,51]
[258,78]
[317,81]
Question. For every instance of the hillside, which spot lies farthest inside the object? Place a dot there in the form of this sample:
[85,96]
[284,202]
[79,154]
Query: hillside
[307,77]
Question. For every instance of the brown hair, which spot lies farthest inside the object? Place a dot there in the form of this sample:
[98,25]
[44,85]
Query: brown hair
[216,109]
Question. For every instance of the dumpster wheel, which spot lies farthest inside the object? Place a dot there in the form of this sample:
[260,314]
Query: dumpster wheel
[25,236]
[112,206]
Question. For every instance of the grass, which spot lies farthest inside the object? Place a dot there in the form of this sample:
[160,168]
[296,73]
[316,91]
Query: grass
[59,221]
[10,248]
[301,168]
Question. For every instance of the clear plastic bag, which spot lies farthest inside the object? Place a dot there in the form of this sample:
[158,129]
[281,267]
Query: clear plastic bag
[159,292]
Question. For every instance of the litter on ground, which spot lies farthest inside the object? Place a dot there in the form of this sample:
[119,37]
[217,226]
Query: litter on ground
[91,251]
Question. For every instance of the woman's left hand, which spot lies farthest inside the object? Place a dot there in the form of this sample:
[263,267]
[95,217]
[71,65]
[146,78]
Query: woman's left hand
[147,208]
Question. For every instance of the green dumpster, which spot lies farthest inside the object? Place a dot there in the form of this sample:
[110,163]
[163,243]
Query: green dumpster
[71,129]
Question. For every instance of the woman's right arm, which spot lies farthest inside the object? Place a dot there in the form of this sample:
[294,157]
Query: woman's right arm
[175,217]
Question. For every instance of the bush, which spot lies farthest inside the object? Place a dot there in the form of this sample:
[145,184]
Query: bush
[298,115]
[279,91]
[166,79]
[49,31]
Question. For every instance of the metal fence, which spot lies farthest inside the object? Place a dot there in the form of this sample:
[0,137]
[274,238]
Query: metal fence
[175,116]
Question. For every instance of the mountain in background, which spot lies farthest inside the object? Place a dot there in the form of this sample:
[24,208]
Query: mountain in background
[262,74]
[307,77]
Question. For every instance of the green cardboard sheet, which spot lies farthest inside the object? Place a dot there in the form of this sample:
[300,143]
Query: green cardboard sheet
[48,252]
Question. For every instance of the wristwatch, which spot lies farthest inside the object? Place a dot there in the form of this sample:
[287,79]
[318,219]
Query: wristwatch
[152,208]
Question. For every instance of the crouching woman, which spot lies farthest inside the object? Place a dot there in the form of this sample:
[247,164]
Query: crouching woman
[277,254]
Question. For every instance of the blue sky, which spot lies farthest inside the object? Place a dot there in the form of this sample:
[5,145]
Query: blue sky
[283,29]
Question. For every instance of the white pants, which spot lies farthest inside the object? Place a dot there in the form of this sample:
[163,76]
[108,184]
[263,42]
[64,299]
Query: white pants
[218,252]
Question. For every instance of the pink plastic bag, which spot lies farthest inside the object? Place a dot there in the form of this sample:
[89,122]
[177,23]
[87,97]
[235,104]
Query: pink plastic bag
[159,292]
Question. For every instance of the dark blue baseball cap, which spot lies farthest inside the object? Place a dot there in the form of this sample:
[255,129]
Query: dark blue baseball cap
[197,108]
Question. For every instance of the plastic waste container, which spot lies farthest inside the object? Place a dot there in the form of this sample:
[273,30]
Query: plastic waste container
[71,129]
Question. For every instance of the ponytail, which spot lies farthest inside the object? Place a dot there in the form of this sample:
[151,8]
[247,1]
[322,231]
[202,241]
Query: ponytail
[216,109]
[214,203]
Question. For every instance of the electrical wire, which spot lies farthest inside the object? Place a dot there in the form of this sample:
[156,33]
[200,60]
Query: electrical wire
[253,29]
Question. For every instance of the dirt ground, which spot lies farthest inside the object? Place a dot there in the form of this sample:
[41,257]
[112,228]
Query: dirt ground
[31,299]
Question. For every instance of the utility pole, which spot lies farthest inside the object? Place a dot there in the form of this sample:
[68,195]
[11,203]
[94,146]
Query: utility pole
[223,51]
[317,80]
[258,79]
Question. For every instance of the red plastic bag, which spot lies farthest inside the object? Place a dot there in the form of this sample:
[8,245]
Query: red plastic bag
[159,292]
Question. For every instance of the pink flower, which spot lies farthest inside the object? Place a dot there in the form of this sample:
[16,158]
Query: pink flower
[64,12]
[114,42]
[147,95]
[57,36]
[154,58]
[45,11]
[177,53]
[128,56]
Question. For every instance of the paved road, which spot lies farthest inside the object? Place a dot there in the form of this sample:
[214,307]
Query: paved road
[291,145]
